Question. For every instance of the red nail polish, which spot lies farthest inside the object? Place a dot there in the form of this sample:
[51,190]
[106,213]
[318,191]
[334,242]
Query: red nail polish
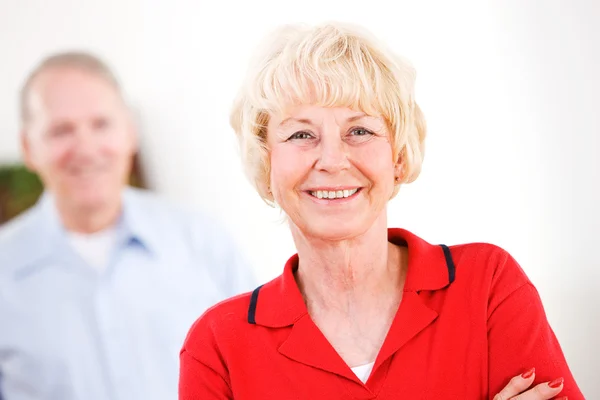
[556,383]
[562,398]
[527,375]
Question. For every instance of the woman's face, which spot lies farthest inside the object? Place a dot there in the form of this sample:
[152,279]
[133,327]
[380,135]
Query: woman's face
[332,169]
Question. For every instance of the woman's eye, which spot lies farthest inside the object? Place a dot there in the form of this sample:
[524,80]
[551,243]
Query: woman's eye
[301,135]
[360,132]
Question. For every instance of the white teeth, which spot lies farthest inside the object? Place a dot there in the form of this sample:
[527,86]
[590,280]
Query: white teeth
[338,194]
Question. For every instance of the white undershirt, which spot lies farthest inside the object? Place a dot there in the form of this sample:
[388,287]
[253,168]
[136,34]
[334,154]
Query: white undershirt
[94,248]
[363,371]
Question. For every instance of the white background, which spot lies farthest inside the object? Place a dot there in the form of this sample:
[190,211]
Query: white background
[510,90]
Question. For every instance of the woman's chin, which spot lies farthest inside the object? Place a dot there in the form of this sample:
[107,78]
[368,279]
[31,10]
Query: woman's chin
[334,231]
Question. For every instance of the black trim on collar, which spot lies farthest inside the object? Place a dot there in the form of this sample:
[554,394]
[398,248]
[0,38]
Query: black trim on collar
[252,307]
[449,263]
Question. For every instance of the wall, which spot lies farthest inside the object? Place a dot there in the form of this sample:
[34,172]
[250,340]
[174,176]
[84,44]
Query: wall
[510,92]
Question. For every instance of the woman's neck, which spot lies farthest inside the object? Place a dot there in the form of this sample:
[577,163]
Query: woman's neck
[349,274]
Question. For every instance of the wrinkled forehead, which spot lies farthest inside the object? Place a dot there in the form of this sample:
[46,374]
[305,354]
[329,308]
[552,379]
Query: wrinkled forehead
[315,99]
[71,94]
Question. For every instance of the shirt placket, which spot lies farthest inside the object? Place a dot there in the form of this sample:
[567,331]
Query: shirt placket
[113,335]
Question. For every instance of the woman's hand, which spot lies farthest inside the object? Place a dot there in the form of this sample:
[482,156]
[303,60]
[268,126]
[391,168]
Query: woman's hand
[516,388]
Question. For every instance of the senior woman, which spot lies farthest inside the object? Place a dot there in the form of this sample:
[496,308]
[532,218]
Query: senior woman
[329,130]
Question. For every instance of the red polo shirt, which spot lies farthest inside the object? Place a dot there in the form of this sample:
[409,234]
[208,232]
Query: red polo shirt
[468,322]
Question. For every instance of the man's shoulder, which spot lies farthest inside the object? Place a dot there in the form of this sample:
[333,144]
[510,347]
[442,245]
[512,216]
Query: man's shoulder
[19,229]
[159,208]
[21,221]
[150,201]
[188,225]
[19,238]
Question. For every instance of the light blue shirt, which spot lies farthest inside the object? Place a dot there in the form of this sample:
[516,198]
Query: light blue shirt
[69,331]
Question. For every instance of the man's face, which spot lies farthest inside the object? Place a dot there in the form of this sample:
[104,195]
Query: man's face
[79,138]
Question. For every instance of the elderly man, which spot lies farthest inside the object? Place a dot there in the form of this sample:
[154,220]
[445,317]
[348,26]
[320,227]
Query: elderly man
[99,282]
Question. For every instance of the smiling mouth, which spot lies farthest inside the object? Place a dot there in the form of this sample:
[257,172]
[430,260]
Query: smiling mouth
[334,194]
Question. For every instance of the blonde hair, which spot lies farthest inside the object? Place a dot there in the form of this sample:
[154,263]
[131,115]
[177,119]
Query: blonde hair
[329,65]
[72,59]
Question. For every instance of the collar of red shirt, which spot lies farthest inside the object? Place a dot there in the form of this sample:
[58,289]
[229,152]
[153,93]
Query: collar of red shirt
[430,267]
[279,304]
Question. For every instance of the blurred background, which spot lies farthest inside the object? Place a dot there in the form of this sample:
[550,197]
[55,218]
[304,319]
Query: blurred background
[510,90]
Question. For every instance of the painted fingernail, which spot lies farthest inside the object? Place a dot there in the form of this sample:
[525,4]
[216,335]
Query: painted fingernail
[562,398]
[556,383]
[528,374]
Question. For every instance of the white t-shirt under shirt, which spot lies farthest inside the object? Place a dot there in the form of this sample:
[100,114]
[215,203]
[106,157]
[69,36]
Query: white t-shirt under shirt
[363,371]
[95,248]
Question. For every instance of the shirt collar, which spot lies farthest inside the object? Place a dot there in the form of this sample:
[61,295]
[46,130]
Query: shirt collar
[134,224]
[279,303]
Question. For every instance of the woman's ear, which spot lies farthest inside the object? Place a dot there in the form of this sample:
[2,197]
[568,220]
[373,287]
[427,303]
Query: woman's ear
[398,170]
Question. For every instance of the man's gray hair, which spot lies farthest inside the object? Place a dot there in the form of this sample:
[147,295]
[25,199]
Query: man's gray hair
[73,59]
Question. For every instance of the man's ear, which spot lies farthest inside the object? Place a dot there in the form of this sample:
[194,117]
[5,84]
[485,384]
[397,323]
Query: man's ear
[26,150]
[135,137]
[133,128]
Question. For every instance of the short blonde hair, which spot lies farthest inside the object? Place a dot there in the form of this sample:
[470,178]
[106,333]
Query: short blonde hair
[330,65]
[80,60]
